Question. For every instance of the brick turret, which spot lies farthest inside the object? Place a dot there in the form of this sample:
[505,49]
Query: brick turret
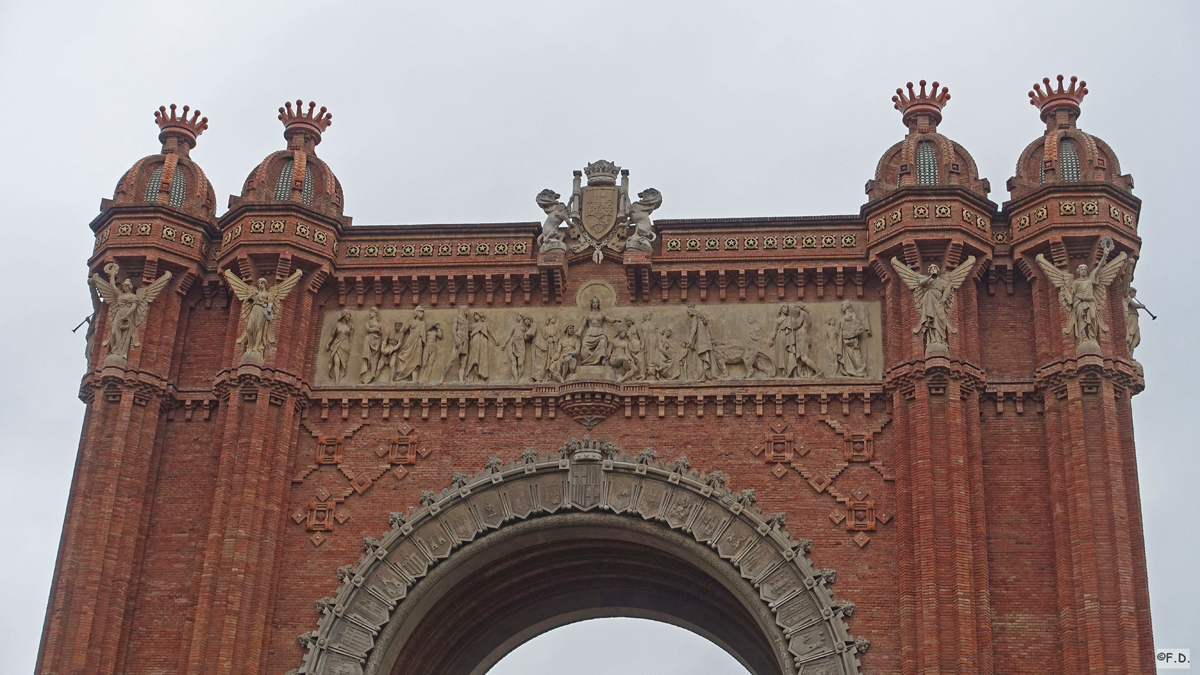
[1069,203]
[159,221]
[928,207]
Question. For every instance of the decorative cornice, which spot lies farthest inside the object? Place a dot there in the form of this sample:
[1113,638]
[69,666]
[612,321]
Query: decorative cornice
[1081,189]
[911,192]
[1051,376]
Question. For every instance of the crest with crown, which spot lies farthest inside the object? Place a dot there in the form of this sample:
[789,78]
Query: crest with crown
[602,172]
[598,213]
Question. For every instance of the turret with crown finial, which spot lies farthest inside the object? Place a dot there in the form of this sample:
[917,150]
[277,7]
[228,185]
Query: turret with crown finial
[1065,99]
[304,128]
[170,177]
[1064,153]
[173,129]
[924,157]
[296,174]
[924,110]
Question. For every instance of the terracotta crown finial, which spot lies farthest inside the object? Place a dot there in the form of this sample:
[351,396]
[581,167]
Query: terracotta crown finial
[1050,100]
[915,103]
[301,120]
[189,129]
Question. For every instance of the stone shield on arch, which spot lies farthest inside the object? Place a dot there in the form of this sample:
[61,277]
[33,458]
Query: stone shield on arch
[599,210]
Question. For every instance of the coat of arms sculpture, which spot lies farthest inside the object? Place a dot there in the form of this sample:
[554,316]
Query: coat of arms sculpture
[599,214]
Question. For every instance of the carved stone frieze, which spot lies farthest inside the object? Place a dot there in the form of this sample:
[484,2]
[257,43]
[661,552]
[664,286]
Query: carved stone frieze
[586,474]
[600,341]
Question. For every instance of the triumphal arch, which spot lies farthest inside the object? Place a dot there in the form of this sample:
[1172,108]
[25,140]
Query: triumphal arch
[898,441]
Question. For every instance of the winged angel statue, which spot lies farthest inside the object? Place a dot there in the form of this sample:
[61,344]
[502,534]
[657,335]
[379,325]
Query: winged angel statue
[260,305]
[934,297]
[1082,295]
[127,310]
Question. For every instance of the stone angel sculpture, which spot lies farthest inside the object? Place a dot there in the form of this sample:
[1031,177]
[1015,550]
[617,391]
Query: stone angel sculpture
[127,311]
[260,305]
[551,238]
[639,218]
[1082,295]
[934,298]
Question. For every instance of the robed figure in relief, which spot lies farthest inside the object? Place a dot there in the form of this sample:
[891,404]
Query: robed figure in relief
[934,298]
[594,339]
[1082,296]
[260,305]
[849,334]
[127,311]
[372,349]
[479,358]
[545,349]
[408,351]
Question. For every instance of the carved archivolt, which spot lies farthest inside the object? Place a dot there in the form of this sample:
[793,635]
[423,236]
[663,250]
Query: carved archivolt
[585,475]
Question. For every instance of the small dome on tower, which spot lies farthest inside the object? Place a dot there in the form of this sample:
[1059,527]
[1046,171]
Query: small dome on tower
[1064,153]
[171,178]
[924,157]
[296,174]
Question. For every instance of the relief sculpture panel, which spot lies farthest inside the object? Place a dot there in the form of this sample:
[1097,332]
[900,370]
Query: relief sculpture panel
[597,340]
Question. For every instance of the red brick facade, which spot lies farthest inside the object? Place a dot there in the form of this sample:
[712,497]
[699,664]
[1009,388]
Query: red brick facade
[980,506]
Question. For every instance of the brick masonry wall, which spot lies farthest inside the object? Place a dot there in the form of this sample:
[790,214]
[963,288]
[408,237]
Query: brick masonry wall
[1007,531]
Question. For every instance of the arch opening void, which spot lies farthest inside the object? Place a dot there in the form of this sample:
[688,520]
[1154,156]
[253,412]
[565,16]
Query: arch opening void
[548,572]
[619,645]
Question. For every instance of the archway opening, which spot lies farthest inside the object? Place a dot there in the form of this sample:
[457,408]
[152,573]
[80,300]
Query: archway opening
[619,645]
[533,577]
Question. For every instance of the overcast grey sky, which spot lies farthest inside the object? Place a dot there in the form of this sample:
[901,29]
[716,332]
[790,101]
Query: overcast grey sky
[463,111]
